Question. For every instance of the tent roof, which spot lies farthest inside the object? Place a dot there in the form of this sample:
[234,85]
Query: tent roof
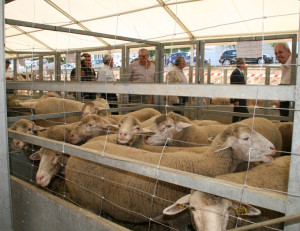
[154,20]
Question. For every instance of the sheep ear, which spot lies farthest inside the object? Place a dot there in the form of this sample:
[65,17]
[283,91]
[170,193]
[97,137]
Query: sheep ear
[181,125]
[179,206]
[39,128]
[211,139]
[245,209]
[35,156]
[228,144]
[147,131]
[112,127]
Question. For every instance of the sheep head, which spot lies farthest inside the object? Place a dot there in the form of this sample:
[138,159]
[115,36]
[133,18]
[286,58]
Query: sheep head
[165,127]
[23,126]
[51,163]
[245,144]
[89,127]
[130,132]
[209,212]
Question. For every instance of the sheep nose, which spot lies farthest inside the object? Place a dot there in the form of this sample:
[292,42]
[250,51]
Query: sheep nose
[39,179]
[71,135]
[123,134]
[272,147]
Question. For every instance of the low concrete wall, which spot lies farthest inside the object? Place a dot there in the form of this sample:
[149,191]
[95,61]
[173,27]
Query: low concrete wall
[36,210]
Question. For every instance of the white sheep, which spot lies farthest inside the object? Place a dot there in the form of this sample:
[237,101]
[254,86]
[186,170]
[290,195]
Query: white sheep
[24,126]
[57,105]
[211,212]
[90,126]
[183,134]
[95,125]
[95,186]
[31,103]
[98,106]
[142,114]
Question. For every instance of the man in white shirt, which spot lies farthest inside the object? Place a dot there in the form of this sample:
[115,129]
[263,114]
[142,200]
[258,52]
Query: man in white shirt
[142,70]
[106,75]
[283,55]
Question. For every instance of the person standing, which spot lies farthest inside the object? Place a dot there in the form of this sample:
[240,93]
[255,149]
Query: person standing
[106,75]
[283,55]
[176,75]
[237,77]
[142,70]
[87,74]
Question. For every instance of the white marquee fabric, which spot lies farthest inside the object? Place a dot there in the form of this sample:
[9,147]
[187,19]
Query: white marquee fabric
[155,20]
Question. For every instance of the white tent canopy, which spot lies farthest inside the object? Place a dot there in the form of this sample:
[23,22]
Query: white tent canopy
[153,20]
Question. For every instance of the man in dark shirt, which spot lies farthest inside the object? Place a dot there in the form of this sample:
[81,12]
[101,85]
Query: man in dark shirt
[87,74]
[237,77]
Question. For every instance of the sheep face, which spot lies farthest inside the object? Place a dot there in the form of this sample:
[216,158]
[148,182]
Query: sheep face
[51,162]
[246,145]
[165,130]
[23,126]
[88,108]
[208,212]
[130,131]
[90,126]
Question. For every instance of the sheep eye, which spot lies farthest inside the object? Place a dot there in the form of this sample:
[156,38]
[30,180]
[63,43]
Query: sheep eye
[168,126]
[246,138]
[90,125]
[138,128]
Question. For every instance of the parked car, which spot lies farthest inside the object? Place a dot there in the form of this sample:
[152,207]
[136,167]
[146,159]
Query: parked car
[171,59]
[97,63]
[68,66]
[229,57]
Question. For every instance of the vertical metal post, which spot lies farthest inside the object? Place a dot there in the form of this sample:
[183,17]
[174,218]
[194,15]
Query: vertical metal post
[246,74]
[159,70]
[5,194]
[15,69]
[78,72]
[124,70]
[57,69]
[293,201]
[41,71]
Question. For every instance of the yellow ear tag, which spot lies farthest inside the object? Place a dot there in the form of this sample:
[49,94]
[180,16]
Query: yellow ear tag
[115,129]
[181,206]
[241,210]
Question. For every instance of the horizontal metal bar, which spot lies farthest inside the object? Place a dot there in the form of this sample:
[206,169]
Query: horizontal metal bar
[44,116]
[278,92]
[257,197]
[75,31]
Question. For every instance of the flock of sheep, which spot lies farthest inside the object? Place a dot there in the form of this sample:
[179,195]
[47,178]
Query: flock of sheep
[169,140]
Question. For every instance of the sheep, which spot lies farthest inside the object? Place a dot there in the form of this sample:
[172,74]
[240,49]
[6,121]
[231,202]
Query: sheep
[31,103]
[94,125]
[214,210]
[205,122]
[24,126]
[132,133]
[286,130]
[142,114]
[183,134]
[90,126]
[56,105]
[98,106]
[95,186]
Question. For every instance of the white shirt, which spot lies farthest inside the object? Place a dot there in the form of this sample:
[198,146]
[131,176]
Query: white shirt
[106,74]
[286,71]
